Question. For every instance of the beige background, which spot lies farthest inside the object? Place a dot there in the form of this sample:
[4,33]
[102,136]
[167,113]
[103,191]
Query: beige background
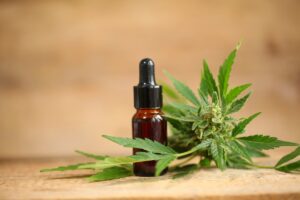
[67,67]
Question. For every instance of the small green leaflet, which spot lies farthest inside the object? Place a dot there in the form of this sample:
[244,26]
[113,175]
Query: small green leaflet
[202,146]
[224,72]
[145,144]
[163,164]
[238,104]
[240,150]
[183,89]
[235,92]
[295,166]
[184,107]
[111,173]
[218,154]
[122,160]
[66,168]
[242,125]
[208,83]
[264,142]
[255,153]
[89,155]
[169,91]
[289,157]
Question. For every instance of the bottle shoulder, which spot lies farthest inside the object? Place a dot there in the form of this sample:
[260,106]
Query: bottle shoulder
[145,114]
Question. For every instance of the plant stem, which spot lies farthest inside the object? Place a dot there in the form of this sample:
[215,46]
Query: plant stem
[186,161]
[263,167]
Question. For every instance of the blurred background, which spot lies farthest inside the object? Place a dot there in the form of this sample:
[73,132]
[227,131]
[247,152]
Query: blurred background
[67,68]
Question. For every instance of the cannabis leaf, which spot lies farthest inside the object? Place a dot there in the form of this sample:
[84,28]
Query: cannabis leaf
[163,164]
[241,125]
[224,72]
[65,168]
[238,104]
[183,89]
[290,167]
[264,142]
[111,173]
[288,157]
[145,144]
[208,83]
[235,92]
[89,155]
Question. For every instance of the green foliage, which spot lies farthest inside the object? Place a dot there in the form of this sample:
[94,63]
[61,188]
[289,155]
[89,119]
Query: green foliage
[238,104]
[208,83]
[204,130]
[146,144]
[183,89]
[264,142]
[224,72]
[65,168]
[163,164]
[111,173]
[240,127]
[235,92]
[289,157]
[89,155]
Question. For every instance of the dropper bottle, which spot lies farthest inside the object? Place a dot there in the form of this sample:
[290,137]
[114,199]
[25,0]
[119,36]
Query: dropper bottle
[148,121]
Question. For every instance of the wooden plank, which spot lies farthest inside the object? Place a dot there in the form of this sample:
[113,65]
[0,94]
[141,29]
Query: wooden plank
[21,179]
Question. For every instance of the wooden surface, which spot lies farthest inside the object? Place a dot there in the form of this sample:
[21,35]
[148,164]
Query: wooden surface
[21,179]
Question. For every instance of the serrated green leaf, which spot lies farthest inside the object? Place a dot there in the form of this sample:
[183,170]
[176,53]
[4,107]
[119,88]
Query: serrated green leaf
[145,144]
[264,142]
[89,155]
[111,173]
[235,161]
[163,164]
[184,107]
[203,89]
[289,157]
[183,89]
[171,110]
[170,92]
[224,72]
[215,98]
[255,153]
[295,166]
[122,160]
[217,153]
[235,92]
[208,83]
[238,104]
[240,150]
[242,125]
[203,145]
[203,98]
[66,168]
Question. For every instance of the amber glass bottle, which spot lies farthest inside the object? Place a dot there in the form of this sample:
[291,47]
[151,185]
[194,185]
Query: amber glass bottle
[148,121]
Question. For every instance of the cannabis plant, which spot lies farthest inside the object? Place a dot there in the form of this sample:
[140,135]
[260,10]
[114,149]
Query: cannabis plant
[204,133]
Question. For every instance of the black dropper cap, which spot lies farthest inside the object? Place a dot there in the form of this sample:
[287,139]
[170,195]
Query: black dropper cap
[147,94]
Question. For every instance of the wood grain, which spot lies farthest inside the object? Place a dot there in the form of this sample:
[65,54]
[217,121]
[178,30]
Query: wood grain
[21,179]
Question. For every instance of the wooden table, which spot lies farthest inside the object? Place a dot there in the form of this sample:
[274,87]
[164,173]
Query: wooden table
[21,179]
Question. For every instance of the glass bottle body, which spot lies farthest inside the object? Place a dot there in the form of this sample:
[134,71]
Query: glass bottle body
[148,123]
